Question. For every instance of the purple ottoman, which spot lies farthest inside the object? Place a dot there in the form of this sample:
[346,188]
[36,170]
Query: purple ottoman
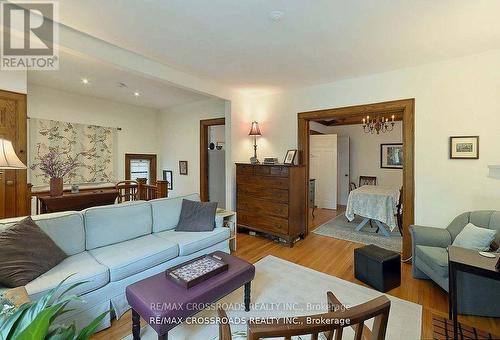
[164,304]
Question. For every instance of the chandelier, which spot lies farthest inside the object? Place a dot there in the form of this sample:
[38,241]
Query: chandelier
[378,124]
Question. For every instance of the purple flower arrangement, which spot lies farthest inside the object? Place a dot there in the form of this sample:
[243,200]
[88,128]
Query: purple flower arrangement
[54,166]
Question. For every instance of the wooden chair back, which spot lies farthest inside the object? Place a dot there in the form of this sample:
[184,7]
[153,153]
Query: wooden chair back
[399,213]
[367,180]
[128,190]
[352,186]
[327,323]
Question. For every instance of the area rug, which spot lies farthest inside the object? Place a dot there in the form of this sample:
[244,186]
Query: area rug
[442,329]
[282,288]
[342,229]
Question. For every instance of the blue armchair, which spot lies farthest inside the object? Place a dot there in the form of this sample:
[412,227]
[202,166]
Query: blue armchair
[476,295]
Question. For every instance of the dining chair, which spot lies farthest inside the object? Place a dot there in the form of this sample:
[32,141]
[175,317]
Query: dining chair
[367,180]
[127,190]
[327,323]
[399,211]
[352,186]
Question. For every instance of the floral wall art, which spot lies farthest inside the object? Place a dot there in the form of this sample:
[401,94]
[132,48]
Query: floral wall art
[90,146]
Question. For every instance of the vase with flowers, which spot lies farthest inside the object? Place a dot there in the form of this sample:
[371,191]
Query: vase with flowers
[55,166]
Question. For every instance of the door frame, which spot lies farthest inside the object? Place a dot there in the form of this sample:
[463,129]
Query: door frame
[22,200]
[204,125]
[405,107]
[152,160]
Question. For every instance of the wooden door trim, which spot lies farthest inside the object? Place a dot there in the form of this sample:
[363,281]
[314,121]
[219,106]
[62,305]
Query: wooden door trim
[22,201]
[407,109]
[151,157]
[204,124]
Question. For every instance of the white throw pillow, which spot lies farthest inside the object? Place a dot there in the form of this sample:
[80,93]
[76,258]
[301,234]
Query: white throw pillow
[473,237]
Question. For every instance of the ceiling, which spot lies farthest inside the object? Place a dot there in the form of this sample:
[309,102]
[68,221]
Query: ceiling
[237,43]
[103,82]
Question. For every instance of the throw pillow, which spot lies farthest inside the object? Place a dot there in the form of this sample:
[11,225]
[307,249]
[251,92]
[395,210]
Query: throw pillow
[26,252]
[476,238]
[197,216]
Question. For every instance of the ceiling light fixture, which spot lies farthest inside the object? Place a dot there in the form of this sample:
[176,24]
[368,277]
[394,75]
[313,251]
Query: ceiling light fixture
[137,94]
[378,124]
[276,16]
[85,81]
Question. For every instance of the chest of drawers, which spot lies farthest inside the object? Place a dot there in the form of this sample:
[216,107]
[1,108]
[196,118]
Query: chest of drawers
[271,199]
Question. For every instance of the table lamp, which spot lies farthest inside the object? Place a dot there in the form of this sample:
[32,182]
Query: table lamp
[8,157]
[254,131]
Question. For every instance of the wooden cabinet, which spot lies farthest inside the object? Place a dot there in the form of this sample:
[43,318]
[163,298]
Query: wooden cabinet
[271,199]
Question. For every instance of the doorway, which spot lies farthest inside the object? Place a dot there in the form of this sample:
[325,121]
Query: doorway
[351,114]
[213,161]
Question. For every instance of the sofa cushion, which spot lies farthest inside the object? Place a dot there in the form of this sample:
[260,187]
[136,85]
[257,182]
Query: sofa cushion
[85,268]
[476,238]
[197,216]
[26,252]
[133,256]
[64,228]
[166,211]
[191,242]
[435,257]
[116,223]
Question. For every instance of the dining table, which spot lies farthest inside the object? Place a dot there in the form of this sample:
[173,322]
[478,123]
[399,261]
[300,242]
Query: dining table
[374,202]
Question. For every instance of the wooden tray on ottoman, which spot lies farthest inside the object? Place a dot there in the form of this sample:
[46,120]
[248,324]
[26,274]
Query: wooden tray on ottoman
[197,270]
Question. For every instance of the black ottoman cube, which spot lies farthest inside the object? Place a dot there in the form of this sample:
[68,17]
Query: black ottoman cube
[378,267]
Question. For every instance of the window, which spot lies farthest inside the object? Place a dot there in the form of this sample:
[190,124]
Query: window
[140,166]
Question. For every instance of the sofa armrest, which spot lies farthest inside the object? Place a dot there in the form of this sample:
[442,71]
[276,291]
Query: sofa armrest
[430,236]
[219,221]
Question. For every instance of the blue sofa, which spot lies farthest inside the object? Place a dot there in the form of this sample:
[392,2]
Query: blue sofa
[476,295]
[116,245]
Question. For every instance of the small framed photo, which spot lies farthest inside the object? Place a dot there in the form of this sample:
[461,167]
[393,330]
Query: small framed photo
[391,156]
[464,147]
[167,176]
[290,156]
[183,167]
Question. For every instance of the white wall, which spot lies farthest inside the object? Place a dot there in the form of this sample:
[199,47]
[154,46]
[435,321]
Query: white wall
[364,153]
[14,81]
[456,97]
[179,134]
[139,124]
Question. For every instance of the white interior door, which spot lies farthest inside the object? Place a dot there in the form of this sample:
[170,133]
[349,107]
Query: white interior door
[323,168]
[343,169]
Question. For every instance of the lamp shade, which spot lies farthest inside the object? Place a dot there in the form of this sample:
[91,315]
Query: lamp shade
[255,131]
[8,157]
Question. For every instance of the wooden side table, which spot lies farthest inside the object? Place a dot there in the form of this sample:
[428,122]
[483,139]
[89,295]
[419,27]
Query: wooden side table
[18,295]
[230,222]
[467,261]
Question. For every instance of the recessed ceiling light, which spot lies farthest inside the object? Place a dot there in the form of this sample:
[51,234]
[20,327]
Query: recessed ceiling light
[276,15]
[85,81]
[137,94]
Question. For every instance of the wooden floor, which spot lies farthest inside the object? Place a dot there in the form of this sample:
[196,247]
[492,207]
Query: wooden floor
[335,257]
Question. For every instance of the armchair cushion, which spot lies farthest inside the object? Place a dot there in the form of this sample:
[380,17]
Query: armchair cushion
[430,236]
[472,237]
[434,257]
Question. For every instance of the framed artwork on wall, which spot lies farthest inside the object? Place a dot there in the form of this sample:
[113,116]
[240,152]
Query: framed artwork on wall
[183,167]
[167,176]
[290,157]
[391,156]
[464,147]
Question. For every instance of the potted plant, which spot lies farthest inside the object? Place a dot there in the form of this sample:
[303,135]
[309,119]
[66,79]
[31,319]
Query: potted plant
[55,167]
[36,320]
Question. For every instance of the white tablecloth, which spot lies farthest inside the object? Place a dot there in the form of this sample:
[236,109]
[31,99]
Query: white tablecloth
[375,202]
